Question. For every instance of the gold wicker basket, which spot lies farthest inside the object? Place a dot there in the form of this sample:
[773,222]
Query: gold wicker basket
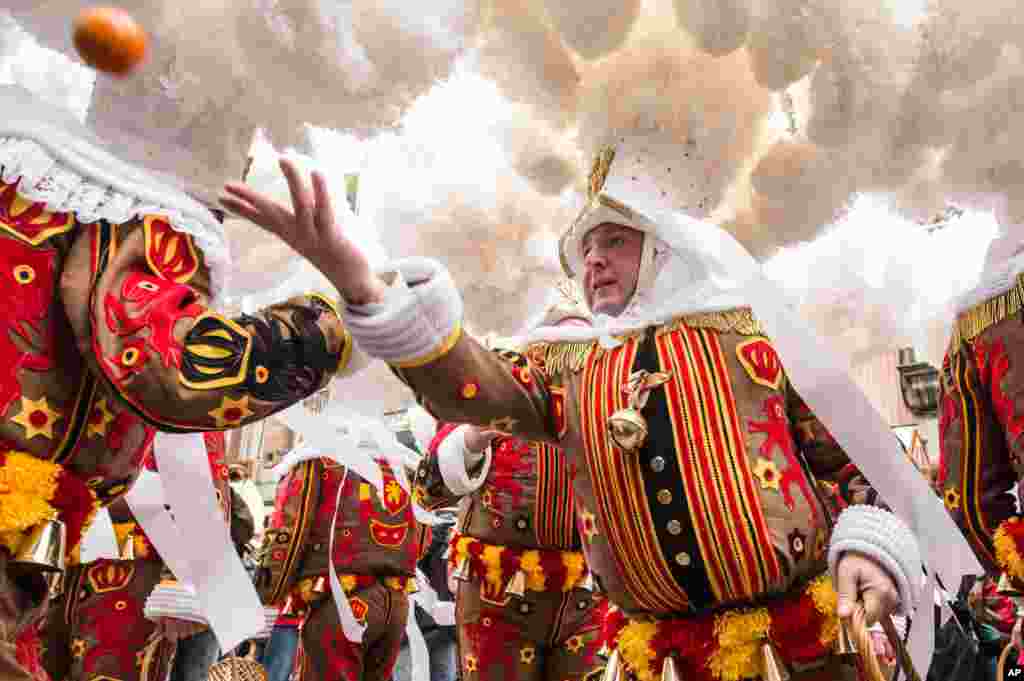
[237,669]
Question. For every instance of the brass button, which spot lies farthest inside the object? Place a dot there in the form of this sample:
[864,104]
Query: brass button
[524,608]
[658,464]
[664,496]
[521,523]
[683,558]
[674,527]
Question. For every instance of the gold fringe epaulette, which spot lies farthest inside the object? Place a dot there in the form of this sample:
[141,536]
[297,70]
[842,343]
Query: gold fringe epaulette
[972,323]
[740,320]
[559,358]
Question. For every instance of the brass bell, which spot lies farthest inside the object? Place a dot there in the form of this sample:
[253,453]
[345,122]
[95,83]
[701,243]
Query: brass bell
[462,570]
[628,430]
[1007,587]
[613,670]
[774,669]
[517,585]
[44,547]
[128,548]
[587,584]
[668,669]
[844,641]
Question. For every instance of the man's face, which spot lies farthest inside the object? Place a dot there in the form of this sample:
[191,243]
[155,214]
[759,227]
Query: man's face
[611,265]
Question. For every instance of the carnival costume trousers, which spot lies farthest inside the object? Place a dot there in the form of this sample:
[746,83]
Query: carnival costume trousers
[97,629]
[543,636]
[328,656]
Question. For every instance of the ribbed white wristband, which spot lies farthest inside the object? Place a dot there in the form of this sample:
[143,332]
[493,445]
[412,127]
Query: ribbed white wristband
[419,319]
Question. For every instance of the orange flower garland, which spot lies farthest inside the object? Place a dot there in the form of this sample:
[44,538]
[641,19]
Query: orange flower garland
[33,490]
[545,569]
[1009,547]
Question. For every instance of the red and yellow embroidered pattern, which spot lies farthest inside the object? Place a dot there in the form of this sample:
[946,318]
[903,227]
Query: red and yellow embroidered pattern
[388,535]
[169,253]
[725,506]
[27,276]
[618,485]
[30,221]
[726,646]
[553,514]
[761,362]
[107,576]
[561,422]
[307,485]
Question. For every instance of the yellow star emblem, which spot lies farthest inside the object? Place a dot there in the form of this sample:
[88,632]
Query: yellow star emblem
[471,665]
[37,418]
[952,499]
[231,412]
[589,524]
[100,419]
[527,655]
[768,474]
[575,644]
[503,425]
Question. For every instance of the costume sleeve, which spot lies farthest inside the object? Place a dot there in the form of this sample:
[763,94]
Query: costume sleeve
[418,331]
[977,439]
[138,298]
[449,471]
[843,484]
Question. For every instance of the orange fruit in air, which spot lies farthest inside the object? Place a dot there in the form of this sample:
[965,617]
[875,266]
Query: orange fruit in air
[108,39]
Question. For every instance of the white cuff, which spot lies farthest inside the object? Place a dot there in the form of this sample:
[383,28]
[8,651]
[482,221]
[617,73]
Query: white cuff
[419,321]
[175,600]
[454,460]
[883,536]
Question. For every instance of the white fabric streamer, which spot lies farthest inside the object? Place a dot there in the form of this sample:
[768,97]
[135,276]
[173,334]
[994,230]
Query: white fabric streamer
[101,540]
[323,436]
[352,629]
[823,382]
[922,631]
[226,593]
[419,656]
[148,504]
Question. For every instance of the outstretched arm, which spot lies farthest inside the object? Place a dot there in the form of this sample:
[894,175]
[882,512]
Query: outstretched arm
[138,299]
[410,318]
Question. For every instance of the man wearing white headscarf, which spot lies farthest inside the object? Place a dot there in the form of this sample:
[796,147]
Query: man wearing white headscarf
[700,514]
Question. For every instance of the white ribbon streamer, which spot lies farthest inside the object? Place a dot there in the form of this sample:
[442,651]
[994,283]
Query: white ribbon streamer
[149,506]
[101,540]
[226,593]
[921,643]
[821,378]
[419,656]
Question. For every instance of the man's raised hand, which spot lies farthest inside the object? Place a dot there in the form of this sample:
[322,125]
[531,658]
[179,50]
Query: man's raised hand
[309,227]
